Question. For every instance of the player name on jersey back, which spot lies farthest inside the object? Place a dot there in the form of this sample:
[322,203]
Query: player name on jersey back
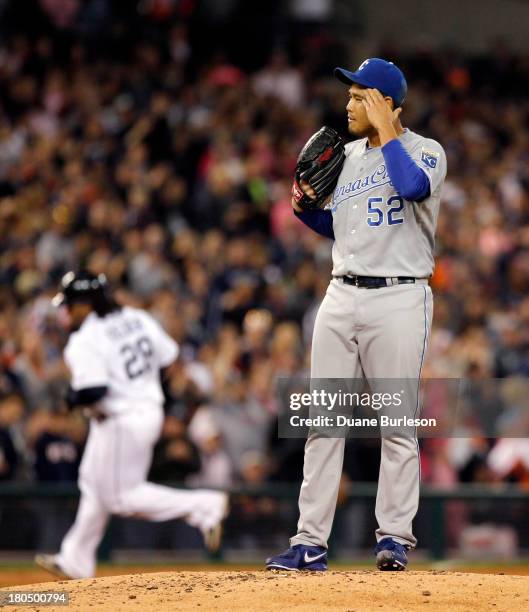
[123,351]
[124,326]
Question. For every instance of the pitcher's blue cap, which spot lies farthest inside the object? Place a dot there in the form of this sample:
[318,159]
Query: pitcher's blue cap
[377,73]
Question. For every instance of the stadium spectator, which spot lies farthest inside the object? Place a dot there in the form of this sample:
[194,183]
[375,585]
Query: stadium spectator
[55,438]
[11,412]
[175,456]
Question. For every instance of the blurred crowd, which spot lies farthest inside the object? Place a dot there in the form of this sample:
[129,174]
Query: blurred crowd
[174,178]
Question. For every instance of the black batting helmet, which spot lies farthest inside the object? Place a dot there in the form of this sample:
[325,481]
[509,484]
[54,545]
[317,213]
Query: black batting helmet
[82,287]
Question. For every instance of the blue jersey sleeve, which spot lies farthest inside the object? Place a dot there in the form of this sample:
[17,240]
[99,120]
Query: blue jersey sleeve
[318,220]
[410,181]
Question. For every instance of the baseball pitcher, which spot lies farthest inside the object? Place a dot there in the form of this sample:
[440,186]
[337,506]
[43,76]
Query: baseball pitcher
[378,198]
[115,355]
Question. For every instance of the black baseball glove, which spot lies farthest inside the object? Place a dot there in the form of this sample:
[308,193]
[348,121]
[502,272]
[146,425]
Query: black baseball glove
[319,164]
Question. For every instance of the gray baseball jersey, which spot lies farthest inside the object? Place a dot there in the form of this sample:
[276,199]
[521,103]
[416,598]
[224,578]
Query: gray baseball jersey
[377,232]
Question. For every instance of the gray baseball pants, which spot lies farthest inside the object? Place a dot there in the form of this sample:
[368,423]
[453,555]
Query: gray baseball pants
[377,334]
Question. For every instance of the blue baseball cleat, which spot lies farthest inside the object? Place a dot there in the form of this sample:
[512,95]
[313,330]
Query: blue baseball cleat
[300,557]
[391,556]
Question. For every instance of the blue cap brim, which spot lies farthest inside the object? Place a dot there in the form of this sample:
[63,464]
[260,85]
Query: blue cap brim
[348,77]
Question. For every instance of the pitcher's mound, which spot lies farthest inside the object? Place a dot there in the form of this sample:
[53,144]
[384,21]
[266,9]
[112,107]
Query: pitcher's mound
[344,591]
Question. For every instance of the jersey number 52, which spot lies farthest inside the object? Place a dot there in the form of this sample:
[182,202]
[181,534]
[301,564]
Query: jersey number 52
[138,357]
[375,215]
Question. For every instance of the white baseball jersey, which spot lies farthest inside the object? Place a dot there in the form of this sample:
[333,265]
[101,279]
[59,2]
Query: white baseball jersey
[123,351]
[377,232]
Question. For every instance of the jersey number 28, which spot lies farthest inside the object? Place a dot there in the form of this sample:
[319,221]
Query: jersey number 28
[376,215]
[137,357]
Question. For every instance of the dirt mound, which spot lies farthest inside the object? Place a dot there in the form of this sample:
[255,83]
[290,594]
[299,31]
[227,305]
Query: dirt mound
[344,591]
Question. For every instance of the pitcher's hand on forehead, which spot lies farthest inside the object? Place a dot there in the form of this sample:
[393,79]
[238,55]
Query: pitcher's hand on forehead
[378,109]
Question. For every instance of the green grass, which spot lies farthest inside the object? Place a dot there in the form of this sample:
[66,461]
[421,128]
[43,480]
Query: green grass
[449,564]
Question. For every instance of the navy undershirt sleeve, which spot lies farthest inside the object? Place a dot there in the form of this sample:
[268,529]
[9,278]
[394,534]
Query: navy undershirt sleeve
[84,397]
[318,220]
[410,181]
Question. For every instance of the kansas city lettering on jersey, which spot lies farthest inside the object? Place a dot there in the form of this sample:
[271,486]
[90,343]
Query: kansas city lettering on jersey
[377,178]
[377,232]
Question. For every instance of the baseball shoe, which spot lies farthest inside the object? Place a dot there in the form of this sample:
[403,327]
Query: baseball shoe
[50,564]
[391,556]
[300,557]
[213,535]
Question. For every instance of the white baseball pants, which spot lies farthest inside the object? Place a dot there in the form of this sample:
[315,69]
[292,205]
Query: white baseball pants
[112,480]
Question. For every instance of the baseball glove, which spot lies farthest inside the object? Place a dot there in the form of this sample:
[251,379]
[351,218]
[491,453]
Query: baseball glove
[319,163]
